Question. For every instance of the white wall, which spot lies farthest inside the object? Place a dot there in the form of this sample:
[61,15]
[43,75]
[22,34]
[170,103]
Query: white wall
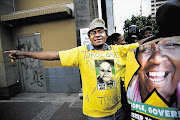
[146,7]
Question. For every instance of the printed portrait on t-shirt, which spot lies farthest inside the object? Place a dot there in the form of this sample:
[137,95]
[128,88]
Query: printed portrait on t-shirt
[105,72]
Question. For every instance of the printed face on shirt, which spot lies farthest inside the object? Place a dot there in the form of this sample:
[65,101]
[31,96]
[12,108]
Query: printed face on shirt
[105,71]
[98,37]
[160,67]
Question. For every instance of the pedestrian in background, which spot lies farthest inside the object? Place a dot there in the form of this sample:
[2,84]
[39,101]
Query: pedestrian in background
[116,39]
[101,101]
[147,32]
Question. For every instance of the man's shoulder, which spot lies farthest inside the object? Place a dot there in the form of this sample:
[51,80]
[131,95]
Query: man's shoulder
[126,45]
[81,47]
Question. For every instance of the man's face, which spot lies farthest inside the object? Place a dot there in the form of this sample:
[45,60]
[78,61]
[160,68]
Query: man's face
[98,37]
[160,67]
[105,71]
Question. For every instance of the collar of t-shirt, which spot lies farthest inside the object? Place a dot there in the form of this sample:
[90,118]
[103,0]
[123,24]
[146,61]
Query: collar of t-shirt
[91,47]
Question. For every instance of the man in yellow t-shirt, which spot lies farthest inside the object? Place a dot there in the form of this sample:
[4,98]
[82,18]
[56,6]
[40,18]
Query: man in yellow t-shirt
[101,67]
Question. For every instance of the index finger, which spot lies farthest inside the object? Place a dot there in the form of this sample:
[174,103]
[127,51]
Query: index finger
[8,51]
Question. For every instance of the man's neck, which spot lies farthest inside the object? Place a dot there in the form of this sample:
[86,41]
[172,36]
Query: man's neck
[100,47]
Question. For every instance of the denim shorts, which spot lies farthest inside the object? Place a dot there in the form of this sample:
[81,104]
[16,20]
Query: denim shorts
[119,115]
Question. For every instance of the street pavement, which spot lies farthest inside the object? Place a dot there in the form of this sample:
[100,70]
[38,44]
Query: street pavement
[42,106]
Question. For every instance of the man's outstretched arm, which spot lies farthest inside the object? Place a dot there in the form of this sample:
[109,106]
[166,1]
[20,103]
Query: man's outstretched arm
[142,41]
[48,55]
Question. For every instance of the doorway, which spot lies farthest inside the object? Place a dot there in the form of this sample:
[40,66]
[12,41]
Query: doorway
[31,70]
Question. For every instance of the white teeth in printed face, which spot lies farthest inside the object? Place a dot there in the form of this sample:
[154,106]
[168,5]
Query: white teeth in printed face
[156,76]
[156,80]
[156,73]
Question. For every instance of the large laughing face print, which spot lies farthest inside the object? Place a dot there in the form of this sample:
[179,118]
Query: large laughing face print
[160,68]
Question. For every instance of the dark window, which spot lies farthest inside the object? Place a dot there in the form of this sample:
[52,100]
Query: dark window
[160,0]
[158,4]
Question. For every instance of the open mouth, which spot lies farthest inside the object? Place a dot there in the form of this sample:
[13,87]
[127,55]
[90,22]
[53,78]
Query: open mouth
[98,40]
[157,76]
[106,76]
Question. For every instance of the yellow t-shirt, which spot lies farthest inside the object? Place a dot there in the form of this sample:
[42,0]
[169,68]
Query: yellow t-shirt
[100,73]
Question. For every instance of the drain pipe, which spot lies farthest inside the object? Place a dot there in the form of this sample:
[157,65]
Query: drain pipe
[99,9]
[13,6]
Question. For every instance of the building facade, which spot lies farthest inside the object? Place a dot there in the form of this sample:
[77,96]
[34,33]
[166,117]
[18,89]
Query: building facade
[155,5]
[38,25]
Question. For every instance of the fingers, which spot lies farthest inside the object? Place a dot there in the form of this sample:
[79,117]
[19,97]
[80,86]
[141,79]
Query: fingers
[13,57]
[12,54]
[7,51]
[11,51]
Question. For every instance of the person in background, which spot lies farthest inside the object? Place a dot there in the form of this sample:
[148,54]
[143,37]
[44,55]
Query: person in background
[147,32]
[116,39]
[99,101]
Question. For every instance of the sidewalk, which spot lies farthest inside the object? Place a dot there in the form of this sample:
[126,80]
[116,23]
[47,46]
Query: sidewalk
[42,106]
